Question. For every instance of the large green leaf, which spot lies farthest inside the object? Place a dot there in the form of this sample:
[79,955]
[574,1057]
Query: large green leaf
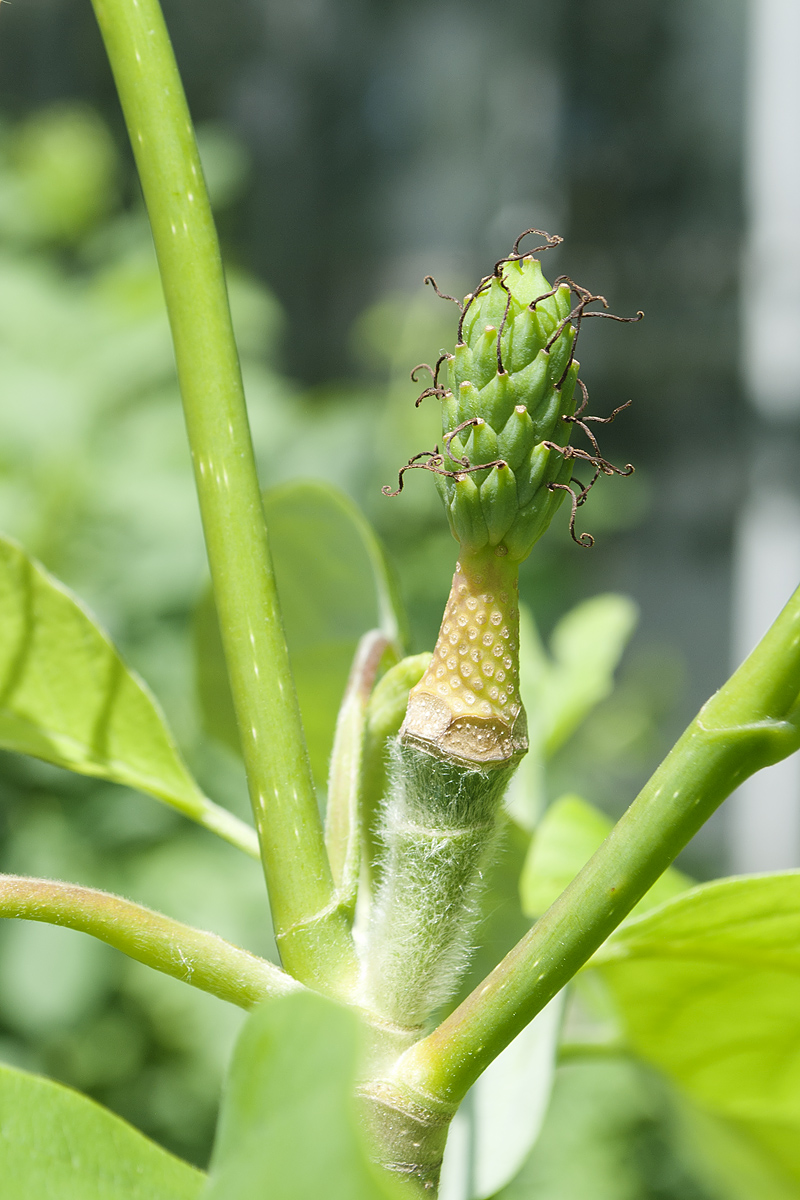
[561,688]
[567,837]
[586,646]
[708,987]
[288,1128]
[333,586]
[57,1145]
[67,696]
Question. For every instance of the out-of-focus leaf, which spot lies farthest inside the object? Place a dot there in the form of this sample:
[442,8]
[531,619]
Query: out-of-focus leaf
[226,163]
[616,1131]
[64,179]
[504,1112]
[526,795]
[501,1116]
[708,987]
[51,978]
[586,646]
[567,837]
[288,1128]
[58,1145]
[67,697]
[511,1099]
[728,1159]
[584,1149]
[560,689]
[333,585]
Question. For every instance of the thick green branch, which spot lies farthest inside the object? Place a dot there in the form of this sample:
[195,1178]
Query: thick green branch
[312,933]
[752,722]
[199,958]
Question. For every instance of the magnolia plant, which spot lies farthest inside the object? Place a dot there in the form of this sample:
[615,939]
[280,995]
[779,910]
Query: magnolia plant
[354,1063]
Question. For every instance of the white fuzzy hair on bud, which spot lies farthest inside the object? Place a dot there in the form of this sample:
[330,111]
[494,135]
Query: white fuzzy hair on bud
[438,829]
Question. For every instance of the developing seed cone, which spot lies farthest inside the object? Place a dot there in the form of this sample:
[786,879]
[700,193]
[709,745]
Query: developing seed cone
[467,705]
[503,468]
[512,383]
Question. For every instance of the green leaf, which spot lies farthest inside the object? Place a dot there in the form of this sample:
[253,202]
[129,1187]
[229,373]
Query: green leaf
[559,690]
[617,1131]
[511,1099]
[708,988]
[584,1151]
[526,795]
[67,696]
[732,1162]
[567,837]
[503,1112]
[58,1145]
[333,585]
[288,1127]
[586,646]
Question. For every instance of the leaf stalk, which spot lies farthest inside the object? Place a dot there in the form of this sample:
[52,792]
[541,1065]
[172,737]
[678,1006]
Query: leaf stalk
[202,959]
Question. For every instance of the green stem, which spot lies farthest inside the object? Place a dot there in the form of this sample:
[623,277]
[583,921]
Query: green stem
[192,955]
[752,722]
[312,934]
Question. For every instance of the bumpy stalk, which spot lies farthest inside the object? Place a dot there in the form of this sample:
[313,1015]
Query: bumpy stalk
[502,473]
[467,705]
[463,733]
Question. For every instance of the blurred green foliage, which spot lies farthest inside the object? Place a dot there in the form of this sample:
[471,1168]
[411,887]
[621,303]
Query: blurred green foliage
[334,585]
[290,1129]
[95,481]
[112,1159]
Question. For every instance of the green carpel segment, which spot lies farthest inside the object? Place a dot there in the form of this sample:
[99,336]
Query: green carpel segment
[512,384]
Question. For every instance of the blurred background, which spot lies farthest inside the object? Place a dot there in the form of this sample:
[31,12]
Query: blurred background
[351,148]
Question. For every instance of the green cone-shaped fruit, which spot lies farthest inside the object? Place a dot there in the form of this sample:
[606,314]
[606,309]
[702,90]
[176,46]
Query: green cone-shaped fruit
[518,399]
[512,383]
